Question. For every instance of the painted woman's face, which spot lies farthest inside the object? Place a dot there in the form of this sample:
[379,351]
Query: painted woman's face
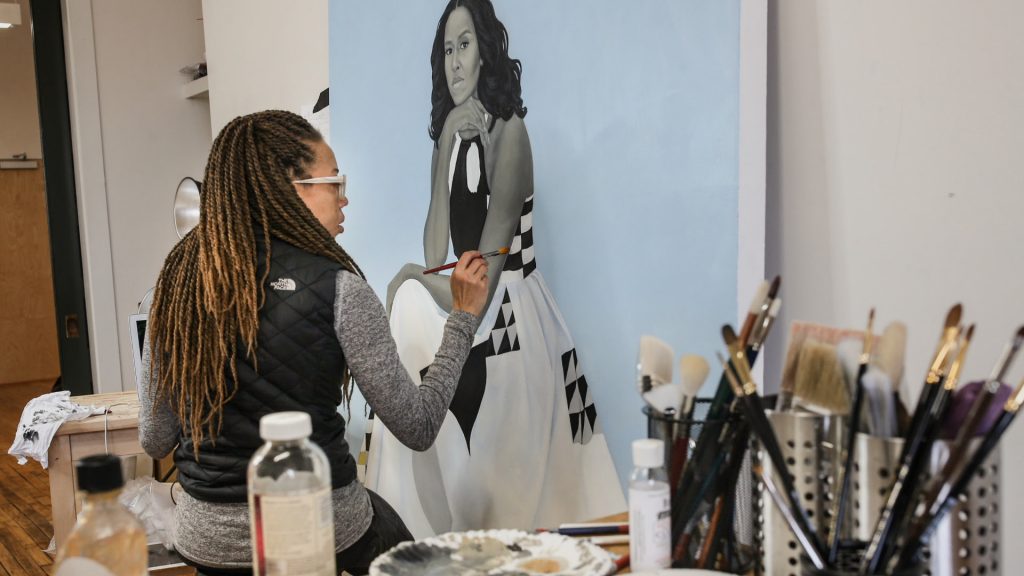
[461,55]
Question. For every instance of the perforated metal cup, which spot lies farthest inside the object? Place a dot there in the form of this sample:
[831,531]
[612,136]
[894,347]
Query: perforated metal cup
[804,438]
[967,542]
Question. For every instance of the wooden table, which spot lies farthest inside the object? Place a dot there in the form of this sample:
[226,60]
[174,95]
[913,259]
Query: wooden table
[76,440]
[618,549]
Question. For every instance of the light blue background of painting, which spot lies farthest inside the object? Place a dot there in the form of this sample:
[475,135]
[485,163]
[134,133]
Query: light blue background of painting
[633,115]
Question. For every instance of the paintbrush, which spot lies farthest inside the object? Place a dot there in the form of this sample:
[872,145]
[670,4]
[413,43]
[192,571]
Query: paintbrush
[688,508]
[759,306]
[745,389]
[874,555]
[654,363]
[451,265]
[721,520]
[761,331]
[696,505]
[693,370]
[806,539]
[703,461]
[820,384]
[845,472]
[892,348]
[958,485]
[942,485]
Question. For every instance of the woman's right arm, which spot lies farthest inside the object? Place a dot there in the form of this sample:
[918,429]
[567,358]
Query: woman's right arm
[412,413]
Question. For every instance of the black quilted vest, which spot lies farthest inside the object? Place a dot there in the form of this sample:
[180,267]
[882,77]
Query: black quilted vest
[299,365]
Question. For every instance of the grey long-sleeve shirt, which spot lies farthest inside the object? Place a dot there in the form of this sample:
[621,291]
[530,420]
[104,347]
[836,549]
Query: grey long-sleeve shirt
[217,534]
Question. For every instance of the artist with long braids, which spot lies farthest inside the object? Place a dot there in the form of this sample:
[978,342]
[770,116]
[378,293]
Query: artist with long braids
[258,310]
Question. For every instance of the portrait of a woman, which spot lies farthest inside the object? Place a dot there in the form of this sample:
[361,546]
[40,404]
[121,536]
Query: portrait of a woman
[522,445]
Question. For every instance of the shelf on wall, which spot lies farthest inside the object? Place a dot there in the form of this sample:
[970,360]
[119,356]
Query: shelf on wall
[197,88]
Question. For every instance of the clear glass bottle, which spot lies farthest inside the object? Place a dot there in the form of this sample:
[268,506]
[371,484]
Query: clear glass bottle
[650,511]
[107,540]
[290,511]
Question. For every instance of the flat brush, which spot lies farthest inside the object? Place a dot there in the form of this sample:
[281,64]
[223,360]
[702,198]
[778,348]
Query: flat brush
[839,507]
[916,435]
[753,408]
[958,485]
[805,538]
[942,485]
[451,265]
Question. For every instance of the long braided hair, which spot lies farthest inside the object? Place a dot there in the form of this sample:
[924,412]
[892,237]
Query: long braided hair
[208,296]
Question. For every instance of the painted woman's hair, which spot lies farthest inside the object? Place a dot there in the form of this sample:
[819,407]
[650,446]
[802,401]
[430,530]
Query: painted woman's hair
[499,87]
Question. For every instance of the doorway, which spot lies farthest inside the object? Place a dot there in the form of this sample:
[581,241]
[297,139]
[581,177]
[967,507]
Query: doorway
[43,327]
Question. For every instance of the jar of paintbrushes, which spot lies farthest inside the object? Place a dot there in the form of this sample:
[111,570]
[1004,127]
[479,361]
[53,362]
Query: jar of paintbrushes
[894,486]
[718,533]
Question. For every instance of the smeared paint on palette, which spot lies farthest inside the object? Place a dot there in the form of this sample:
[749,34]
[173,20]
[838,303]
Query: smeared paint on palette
[494,553]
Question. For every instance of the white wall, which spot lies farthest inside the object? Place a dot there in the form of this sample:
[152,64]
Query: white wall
[135,138]
[264,54]
[895,132]
[19,113]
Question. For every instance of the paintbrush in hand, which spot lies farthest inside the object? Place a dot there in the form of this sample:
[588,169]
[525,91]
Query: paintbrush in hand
[451,265]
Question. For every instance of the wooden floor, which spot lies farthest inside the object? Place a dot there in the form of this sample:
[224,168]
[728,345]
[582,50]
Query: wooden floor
[25,529]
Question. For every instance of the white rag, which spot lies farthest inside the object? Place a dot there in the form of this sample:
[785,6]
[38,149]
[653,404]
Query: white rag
[40,420]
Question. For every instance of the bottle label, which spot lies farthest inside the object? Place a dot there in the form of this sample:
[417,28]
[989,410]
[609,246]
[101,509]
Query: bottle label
[79,566]
[650,528]
[293,535]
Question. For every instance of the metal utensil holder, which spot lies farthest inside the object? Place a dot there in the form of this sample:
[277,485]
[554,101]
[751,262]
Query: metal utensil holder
[808,445]
[967,542]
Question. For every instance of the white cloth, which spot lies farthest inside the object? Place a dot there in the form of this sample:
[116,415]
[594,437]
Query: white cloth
[40,420]
[531,461]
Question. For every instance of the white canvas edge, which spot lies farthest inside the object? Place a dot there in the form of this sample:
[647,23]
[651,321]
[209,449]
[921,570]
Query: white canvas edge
[753,124]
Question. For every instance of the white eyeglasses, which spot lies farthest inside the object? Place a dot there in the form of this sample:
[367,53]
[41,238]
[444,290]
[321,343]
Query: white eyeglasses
[340,181]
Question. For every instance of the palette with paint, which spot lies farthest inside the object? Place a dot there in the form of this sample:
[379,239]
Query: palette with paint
[493,553]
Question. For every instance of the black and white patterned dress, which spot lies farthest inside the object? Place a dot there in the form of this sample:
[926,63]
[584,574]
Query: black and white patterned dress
[521,446]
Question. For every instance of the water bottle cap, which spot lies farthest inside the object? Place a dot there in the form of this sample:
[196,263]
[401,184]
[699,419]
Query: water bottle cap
[284,426]
[648,453]
[100,473]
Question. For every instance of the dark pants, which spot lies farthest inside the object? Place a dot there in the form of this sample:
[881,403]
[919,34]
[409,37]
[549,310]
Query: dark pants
[386,531]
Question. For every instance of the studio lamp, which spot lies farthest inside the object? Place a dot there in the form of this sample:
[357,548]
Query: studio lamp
[186,206]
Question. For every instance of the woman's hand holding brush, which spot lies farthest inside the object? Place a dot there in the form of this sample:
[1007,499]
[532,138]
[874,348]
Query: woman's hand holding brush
[469,283]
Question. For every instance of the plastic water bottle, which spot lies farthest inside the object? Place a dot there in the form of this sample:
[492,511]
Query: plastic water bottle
[650,513]
[107,540]
[291,517]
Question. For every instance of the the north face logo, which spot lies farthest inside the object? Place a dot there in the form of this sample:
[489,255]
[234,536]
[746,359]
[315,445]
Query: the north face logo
[283,284]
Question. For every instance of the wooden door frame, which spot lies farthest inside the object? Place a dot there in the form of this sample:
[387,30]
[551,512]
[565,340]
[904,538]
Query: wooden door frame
[62,207]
